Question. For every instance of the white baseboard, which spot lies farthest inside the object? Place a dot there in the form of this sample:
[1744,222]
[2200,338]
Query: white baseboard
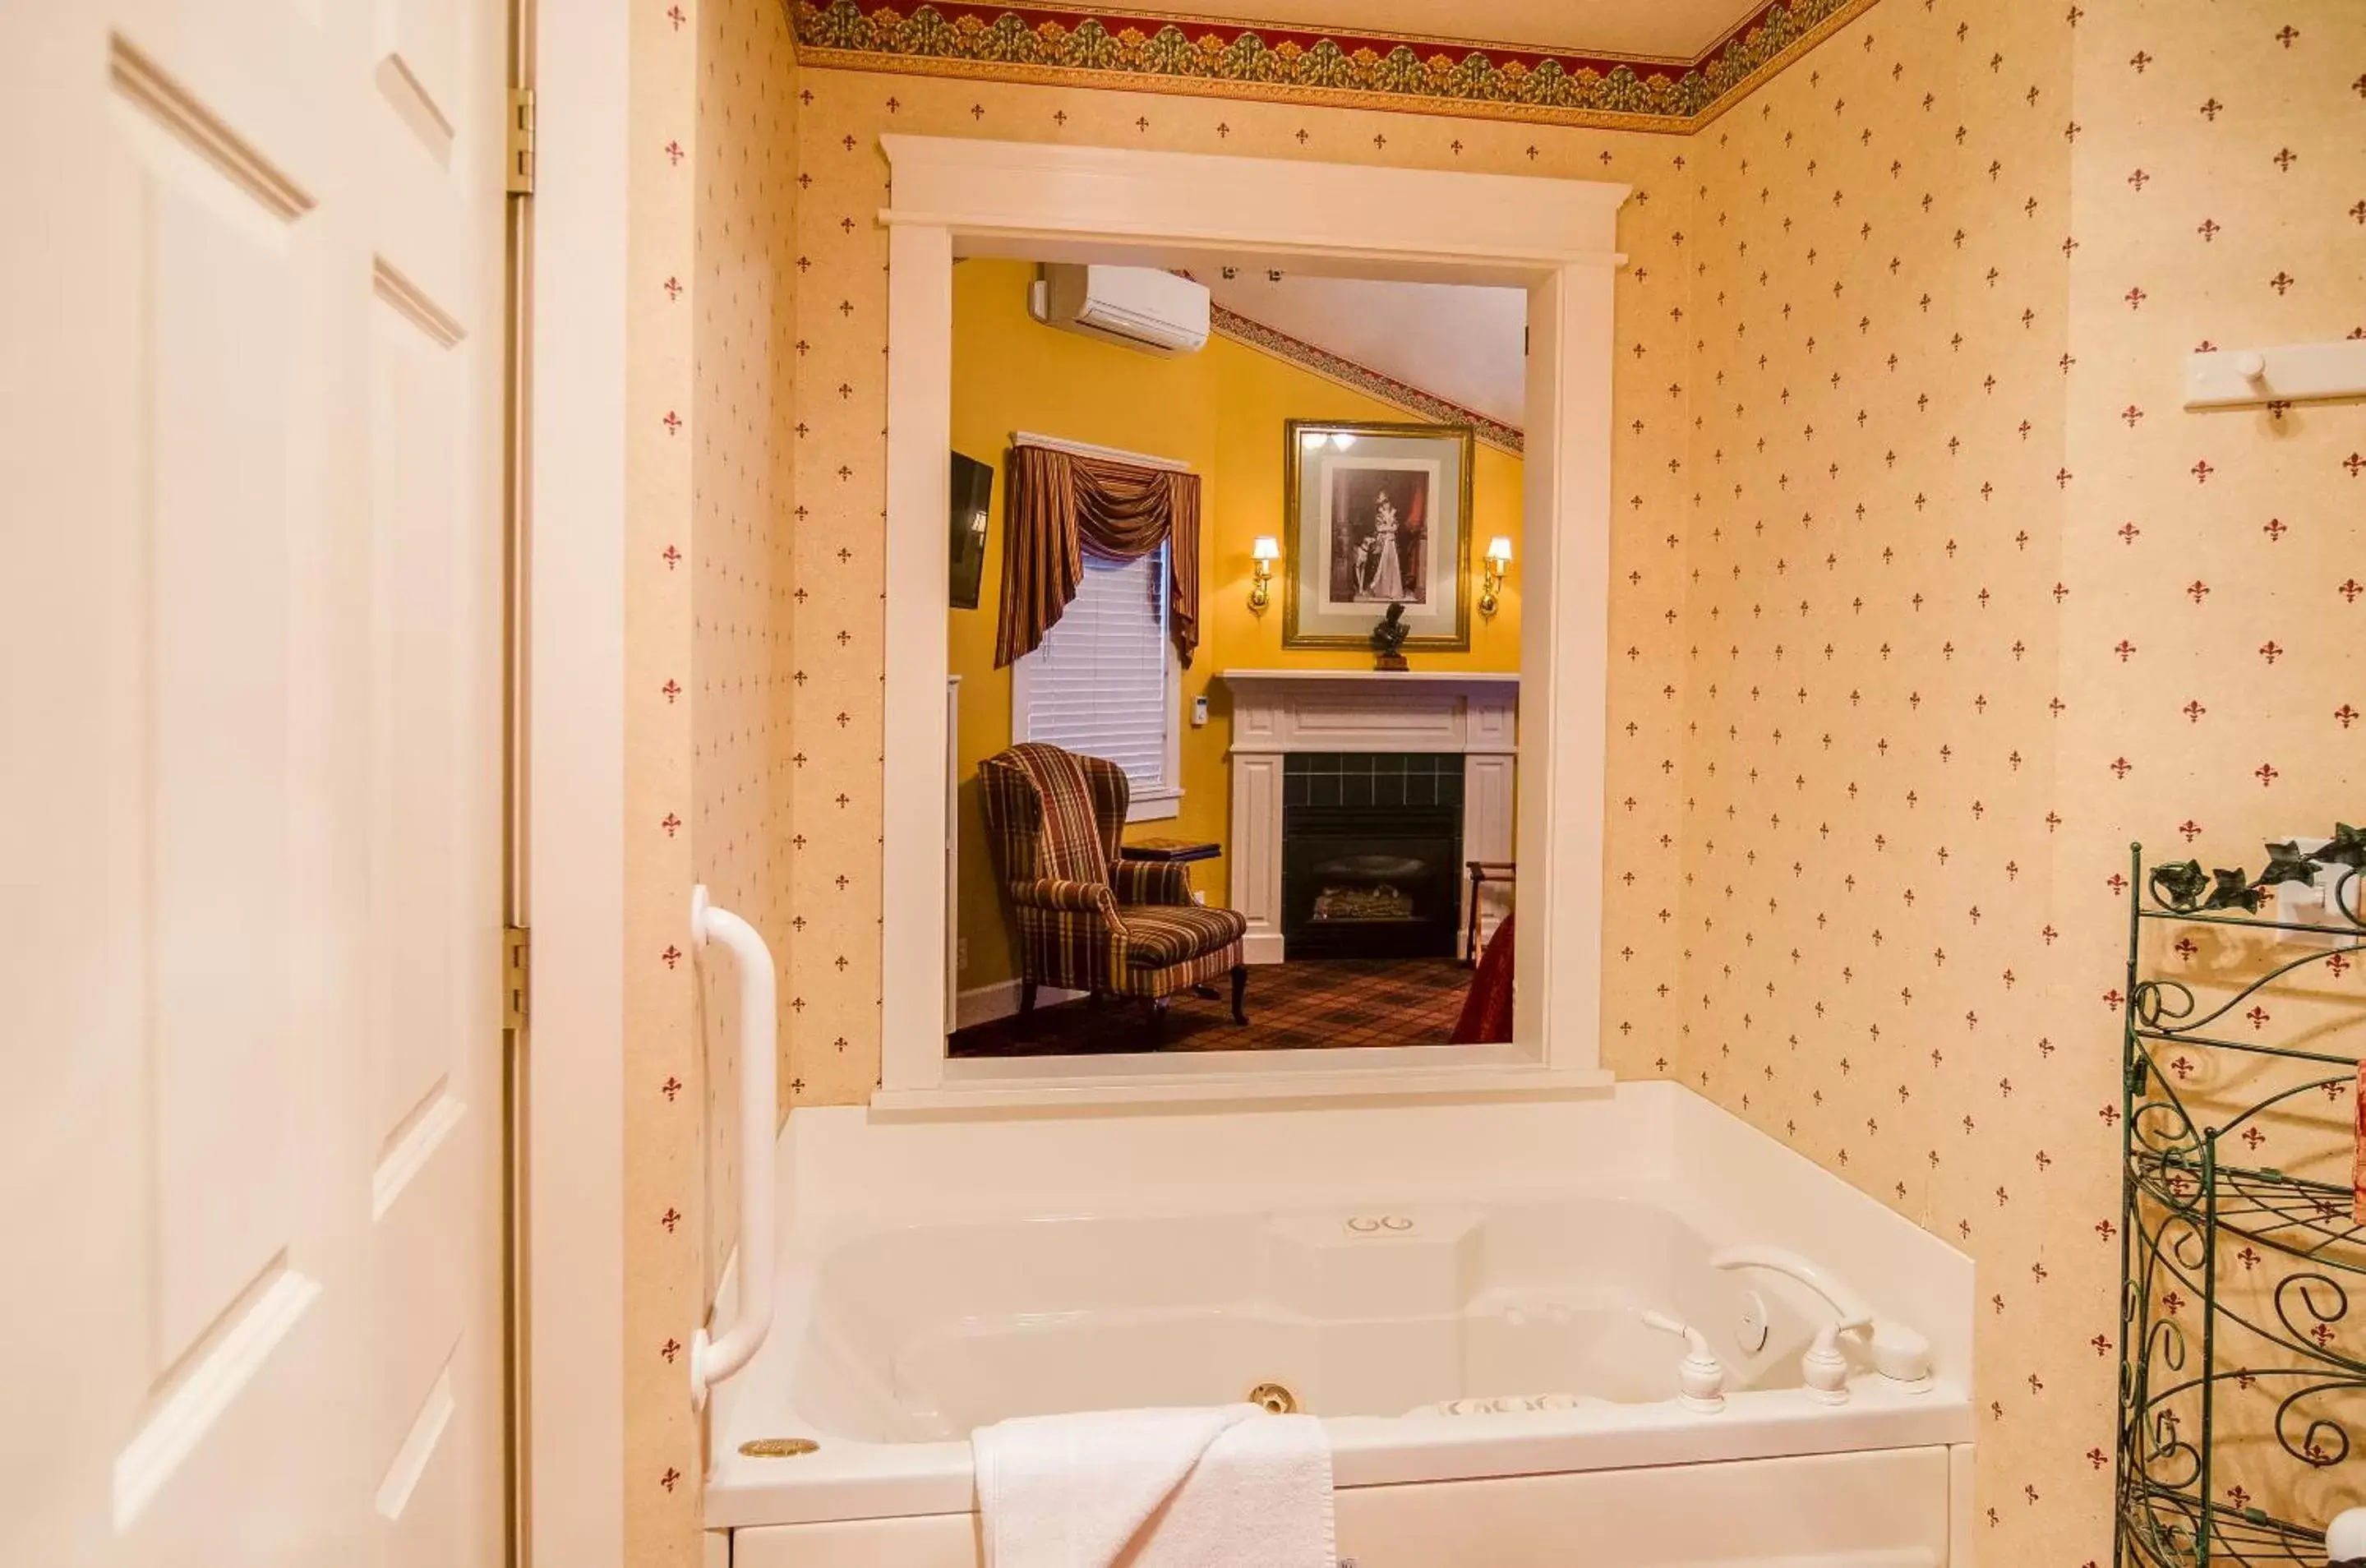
[1261,947]
[983,1004]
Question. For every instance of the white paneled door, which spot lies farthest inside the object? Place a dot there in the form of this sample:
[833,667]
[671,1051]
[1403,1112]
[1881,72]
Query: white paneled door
[251,628]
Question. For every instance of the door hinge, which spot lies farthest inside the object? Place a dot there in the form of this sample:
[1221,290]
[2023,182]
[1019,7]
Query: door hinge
[516,947]
[521,141]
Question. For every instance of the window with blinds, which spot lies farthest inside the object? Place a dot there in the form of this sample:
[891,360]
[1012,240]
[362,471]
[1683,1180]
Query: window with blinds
[1101,684]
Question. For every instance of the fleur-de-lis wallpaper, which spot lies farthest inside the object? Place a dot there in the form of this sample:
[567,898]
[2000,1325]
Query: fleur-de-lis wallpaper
[1974,601]
[711,606]
[1929,595]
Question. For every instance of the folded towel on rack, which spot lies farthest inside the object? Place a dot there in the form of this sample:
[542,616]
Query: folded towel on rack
[2358,1156]
[1209,1488]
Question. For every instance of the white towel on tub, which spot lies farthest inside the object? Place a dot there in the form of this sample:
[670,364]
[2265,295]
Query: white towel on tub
[1229,1488]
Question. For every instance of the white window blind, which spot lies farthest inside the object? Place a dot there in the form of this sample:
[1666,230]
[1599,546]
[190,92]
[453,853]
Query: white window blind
[1099,683]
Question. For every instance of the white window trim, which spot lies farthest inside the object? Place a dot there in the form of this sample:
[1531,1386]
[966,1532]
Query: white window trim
[1031,202]
[1153,804]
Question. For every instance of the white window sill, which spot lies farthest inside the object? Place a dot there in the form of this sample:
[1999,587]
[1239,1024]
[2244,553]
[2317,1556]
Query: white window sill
[1154,805]
[1224,1078]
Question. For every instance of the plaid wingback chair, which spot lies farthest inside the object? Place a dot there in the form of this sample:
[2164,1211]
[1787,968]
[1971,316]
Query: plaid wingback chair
[1087,919]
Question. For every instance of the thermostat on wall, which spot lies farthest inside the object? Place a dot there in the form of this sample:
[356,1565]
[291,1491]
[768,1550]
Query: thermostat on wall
[1199,711]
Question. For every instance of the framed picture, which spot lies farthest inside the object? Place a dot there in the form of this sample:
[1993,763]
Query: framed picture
[1376,514]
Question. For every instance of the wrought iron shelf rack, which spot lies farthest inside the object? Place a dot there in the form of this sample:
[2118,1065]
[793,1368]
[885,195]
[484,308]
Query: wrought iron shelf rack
[2241,1365]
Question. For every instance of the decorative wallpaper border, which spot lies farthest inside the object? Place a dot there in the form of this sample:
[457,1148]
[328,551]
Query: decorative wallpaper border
[1363,378]
[1145,51]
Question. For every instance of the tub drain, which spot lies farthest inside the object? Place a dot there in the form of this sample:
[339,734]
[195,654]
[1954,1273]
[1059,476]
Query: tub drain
[1274,1398]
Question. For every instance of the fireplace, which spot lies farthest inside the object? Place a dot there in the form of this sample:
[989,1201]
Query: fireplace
[1371,855]
[1460,729]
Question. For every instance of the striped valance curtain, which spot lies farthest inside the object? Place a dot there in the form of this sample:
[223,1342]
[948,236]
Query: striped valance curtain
[1063,504]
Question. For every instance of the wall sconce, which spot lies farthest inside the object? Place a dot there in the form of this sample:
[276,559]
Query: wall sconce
[1498,567]
[1262,555]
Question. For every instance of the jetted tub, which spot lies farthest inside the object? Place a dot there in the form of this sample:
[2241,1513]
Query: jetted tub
[1457,1290]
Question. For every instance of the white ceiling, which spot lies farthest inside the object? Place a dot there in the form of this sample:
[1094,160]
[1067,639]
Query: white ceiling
[1456,341]
[1681,29]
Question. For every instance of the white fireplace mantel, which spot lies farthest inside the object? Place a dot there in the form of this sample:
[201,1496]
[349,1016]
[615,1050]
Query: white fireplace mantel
[1276,712]
[1366,710]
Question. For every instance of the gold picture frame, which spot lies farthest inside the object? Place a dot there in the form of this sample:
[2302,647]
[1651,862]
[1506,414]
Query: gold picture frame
[1362,530]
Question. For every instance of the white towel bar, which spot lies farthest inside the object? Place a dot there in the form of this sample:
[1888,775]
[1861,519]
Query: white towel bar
[712,1361]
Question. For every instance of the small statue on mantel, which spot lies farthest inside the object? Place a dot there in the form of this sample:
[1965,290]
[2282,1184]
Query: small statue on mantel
[1388,639]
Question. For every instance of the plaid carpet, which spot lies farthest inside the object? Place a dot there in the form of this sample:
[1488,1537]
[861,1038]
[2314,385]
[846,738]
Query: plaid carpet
[1311,1004]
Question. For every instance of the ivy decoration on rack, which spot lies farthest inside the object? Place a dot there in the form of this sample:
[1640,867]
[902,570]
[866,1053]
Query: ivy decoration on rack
[2183,887]
[2179,885]
[2288,863]
[2233,890]
[2347,847]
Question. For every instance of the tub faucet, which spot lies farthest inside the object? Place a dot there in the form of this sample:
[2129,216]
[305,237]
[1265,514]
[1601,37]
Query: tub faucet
[1899,1353]
[1700,1376]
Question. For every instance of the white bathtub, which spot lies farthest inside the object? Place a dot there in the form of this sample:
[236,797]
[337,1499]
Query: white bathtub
[1455,1288]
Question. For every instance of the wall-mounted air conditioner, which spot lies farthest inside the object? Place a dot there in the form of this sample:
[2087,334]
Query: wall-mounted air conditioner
[1140,307]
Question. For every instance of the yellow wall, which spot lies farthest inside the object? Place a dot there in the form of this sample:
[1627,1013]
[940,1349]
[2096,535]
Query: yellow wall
[1221,411]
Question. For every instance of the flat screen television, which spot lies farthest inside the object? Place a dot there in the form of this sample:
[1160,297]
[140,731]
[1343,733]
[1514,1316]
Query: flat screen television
[973,490]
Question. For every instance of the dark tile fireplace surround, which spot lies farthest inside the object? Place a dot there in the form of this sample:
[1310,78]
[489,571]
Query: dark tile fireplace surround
[1371,855]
